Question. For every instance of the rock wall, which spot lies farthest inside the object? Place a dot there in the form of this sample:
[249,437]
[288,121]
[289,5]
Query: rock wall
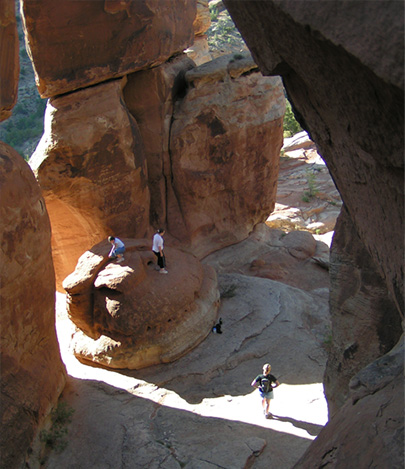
[225,143]
[70,52]
[91,167]
[9,58]
[32,373]
[365,321]
[156,142]
[353,109]
[150,96]
[342,66]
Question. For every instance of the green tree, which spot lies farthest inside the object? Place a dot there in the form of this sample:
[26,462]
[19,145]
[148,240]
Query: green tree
[291,126]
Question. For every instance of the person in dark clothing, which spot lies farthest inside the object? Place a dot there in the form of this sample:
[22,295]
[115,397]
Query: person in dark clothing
[266,382]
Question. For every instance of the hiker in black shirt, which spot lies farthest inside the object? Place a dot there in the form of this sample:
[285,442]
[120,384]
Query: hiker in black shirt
[265,384]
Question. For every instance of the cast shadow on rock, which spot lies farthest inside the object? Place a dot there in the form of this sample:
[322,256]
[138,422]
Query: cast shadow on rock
[102,410]
[312,428]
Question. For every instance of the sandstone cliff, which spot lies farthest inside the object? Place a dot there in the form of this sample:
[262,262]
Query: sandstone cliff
[32,374]
[342,66]
[9,59]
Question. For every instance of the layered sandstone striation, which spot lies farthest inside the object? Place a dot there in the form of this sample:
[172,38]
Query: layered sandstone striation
[353,110]
[9,58]
[70,52]
[132,316]
[32,374]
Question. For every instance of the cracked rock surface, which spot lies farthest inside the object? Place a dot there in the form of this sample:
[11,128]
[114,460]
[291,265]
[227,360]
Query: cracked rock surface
[200,411]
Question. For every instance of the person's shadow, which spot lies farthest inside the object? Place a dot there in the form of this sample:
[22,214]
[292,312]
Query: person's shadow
[312,428]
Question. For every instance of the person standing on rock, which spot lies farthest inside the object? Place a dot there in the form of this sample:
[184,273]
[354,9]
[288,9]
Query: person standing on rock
[157,248]
[265,384]
[117,250]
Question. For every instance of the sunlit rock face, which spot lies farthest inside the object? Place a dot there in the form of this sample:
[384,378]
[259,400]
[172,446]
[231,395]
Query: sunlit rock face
[225,143]
[132,316]
[71,52]
[342,66]
[199,51]
[9,58]
[91,167]
[212,137]
[32,374]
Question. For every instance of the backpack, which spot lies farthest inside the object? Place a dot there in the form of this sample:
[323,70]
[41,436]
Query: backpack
[265,385]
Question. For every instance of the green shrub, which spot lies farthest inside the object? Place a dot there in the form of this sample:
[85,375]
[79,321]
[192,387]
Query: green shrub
[290,126]
[213,13]
[312,186]
[54,438]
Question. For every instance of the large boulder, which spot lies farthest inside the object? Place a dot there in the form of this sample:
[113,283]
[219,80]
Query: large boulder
[32,373]
[90,165]
[71,52]
[132,316]
[225,143]
[9,58]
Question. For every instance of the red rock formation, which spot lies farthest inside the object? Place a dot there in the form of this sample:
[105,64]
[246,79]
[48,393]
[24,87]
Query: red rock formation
[364,318]
[225,143]
[133,316]
[32,374]
[9,58]
[199,50]
[91,167]
[370,425]
[353,109]
[71,52]
[149,96]
[342,66]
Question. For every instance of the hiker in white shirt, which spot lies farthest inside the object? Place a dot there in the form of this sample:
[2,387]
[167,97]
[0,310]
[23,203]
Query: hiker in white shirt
[157,248]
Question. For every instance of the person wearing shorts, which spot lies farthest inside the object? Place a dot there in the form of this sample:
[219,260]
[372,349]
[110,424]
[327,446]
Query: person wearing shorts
[259,381]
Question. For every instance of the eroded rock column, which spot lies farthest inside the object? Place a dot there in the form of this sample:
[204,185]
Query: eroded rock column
[32,373]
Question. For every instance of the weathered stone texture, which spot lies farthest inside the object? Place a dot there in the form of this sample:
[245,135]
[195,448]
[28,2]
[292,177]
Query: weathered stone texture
[225,141]
[150,96]
[202,20]
[370,425]
[132,315]
[70,51]
[342,66]
[365,321]
[32,374]
[9,58]
[354,109]
[90,165]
